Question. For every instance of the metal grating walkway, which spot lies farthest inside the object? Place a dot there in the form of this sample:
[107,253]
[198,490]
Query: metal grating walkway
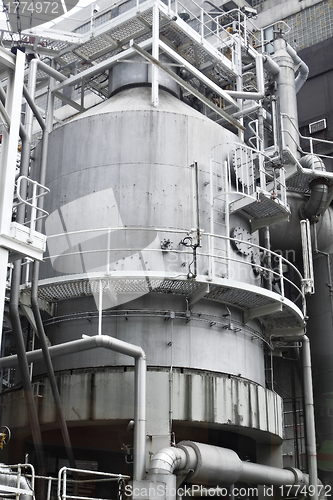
[253,298]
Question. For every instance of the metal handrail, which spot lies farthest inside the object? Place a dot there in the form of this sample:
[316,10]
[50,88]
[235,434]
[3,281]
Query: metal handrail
[310,139]
[38,191]
[63,479]
[255,184]
[17,490]
[278,274]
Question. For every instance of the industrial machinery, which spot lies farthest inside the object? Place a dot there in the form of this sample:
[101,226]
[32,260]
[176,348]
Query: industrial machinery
[162,167]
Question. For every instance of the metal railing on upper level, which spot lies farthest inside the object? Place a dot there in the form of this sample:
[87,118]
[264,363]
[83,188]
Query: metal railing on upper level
[216,259]
[24,185]
[309,143]
[248,171]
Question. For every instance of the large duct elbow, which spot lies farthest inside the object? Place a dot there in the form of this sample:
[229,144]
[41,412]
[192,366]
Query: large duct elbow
[303,70]
[316,204]
[167,461]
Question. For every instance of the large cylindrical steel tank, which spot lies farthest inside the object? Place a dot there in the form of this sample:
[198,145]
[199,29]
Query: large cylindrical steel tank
[134,245]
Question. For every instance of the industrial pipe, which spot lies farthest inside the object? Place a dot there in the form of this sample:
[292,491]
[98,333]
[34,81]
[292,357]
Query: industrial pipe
[316,204]
[270,66]
[14,306]
[309,416]
[116,345]
[23,364]
[286,94]
[30,94]
[211,465]
[3,100]
[48,70]
[303,70]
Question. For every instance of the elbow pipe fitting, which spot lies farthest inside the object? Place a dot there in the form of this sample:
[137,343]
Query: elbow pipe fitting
[316,204]
[167,461]
[303,69]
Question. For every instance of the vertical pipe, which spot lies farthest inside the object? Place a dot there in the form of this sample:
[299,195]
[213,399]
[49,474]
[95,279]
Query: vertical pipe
[226,164]
[267,245]
[100,306]
[287,95]
[309,416]
[172,315]
[23,364]
[34,290]
[8,163]
[49,484]
[211,236]
[140,419]
[14,304]
[281,276]
[155,54]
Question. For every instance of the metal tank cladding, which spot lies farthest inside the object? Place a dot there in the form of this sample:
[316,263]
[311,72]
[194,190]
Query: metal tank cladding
[123,197]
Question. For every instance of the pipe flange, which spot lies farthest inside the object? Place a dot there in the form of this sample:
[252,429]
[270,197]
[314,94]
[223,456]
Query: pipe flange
[318,180]
[300,477]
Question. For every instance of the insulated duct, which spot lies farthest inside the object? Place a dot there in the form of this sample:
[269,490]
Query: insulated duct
[211,465]
[316,204]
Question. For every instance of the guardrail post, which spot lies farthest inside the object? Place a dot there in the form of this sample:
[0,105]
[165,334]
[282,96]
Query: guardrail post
[281,276]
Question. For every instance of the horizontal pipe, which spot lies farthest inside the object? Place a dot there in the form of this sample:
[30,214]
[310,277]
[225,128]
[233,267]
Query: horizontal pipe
[255,96]
[80,345]
[264,474]
[270,65]
[49,71]
[106,342]
[211,465]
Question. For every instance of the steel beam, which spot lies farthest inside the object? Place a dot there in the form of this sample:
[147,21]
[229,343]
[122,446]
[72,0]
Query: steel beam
[258,312]
[188,87]
[197,73]
[100,67]
[198,294]
[8,158]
